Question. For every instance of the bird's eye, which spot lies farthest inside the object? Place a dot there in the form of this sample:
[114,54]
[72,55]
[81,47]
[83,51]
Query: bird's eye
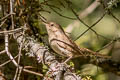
[51,24]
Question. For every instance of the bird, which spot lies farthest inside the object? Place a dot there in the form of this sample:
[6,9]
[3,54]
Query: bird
[63,45]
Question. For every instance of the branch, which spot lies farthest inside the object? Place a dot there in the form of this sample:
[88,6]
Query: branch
[3,51]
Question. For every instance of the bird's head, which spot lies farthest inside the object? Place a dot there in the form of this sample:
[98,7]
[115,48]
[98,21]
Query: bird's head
[52,27]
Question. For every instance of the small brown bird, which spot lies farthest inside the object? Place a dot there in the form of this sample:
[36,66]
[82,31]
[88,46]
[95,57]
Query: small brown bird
[63,45]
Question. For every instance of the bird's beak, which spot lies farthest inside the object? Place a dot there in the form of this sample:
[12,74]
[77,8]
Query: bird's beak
[46,23]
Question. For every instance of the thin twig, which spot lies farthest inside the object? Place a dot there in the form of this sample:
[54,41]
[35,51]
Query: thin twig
[7,50]
[1,65]
[1,52]
[11,11]
[6,16]
[114,16]
[19,56]
[17,69]
[11,31]
[32,72]
[3,22]
[20,70]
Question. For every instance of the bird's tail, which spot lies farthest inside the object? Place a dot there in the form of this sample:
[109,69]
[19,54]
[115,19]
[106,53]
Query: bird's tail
[90,53]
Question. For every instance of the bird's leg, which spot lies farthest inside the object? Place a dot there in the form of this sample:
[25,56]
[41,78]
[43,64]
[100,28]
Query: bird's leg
[65,62]
[70,57]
